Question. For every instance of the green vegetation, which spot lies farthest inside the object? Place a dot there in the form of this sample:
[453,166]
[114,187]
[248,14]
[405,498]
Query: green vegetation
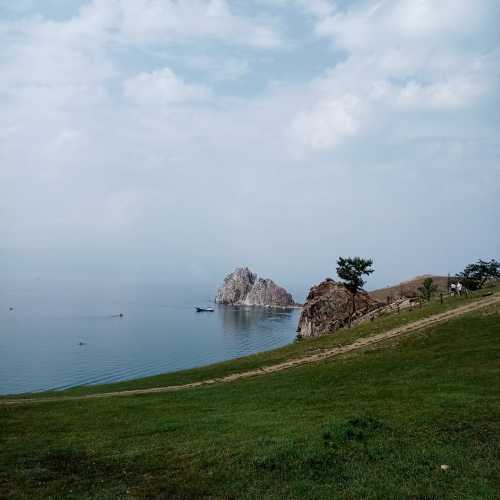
[475,276]
[428,289]
[376,424]
[351,270]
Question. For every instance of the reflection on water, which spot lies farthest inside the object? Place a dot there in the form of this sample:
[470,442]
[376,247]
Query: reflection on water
[245,319]
[40,351]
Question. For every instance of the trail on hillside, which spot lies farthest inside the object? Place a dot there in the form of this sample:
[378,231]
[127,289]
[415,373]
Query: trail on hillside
[312,358]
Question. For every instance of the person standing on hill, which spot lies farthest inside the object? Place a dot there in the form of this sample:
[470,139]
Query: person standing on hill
[459,288]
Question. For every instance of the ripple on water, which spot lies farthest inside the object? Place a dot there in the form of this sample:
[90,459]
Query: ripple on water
[41,352]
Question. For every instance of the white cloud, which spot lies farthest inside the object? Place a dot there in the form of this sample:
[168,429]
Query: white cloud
[318,8]
[442,95]
[329,122]
[171,20]
[79,162]
[218,69]
[46,53]
[163,87]
[401,56]
[373,24]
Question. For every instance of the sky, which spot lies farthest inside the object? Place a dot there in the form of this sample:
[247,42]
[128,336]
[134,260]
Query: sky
[170,141]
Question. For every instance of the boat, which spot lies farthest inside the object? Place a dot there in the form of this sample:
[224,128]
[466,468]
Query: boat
[204,309]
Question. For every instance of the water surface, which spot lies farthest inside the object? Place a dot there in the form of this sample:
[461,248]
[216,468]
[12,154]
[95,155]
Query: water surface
[41,350]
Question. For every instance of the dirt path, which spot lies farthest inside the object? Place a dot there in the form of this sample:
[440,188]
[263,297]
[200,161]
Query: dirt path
[313,358]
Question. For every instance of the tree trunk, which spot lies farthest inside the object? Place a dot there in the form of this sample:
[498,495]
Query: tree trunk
[353,309]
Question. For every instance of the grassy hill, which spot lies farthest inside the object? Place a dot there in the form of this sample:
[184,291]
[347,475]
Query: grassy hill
[410,287]
[376,424]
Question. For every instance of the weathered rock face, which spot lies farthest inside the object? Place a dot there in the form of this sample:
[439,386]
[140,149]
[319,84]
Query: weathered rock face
[328,308]
[236,287]
[266,292]
[243,288]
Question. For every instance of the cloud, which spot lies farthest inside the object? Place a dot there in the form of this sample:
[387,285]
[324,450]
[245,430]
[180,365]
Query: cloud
[400,57]
[318,8]
[369,24]
[449,94]
[328,123]
[153,21]
[163,86]
[218,69]
[137,126]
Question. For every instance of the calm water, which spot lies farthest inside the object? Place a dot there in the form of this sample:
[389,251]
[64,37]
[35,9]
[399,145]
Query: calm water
[40,350]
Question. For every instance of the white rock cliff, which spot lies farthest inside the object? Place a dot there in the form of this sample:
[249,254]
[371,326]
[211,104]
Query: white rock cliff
[242,287]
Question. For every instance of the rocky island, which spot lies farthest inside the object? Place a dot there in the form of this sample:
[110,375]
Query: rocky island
[242,287]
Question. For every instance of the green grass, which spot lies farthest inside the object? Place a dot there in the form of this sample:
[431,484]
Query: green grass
[377,424]
[296,349]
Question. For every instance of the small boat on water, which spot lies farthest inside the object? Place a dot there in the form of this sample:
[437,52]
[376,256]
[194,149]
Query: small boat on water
[204,309]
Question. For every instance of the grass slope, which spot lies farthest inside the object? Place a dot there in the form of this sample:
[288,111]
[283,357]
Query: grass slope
[373,425]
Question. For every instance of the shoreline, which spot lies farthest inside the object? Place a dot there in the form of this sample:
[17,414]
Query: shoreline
[262,359]
[211,330]
[307,358]
[173,373]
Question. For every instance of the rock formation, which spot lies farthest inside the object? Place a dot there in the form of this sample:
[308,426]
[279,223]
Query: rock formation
[328,308]
[243,288]
[236,287]
[267,292]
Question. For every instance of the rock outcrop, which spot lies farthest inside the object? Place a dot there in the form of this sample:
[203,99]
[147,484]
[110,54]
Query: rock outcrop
[236,287]
[242,287]
[266,292]
[328,307]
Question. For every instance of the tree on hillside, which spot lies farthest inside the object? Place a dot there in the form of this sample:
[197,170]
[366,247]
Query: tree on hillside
[352,270]
[427,289]
[475,276]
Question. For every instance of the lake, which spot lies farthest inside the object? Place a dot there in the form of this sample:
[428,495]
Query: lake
[40,349]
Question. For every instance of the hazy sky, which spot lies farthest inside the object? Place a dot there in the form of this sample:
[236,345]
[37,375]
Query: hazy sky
[160,140]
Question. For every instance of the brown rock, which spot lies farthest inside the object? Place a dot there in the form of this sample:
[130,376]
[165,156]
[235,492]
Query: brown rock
[328,307]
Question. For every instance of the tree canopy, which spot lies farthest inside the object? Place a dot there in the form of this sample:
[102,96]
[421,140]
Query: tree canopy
[476,275]
[427,289]
[352,270]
